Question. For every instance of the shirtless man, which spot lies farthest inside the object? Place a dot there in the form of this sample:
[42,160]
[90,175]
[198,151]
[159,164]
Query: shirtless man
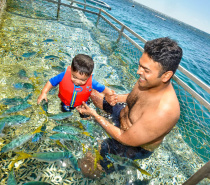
[151,110]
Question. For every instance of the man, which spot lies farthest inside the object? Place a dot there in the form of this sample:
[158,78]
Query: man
[151,109]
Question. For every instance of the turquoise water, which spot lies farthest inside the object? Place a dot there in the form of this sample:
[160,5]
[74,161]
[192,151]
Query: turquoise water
[34,41]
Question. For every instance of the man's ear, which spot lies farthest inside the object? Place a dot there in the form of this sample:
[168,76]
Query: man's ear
[167,76]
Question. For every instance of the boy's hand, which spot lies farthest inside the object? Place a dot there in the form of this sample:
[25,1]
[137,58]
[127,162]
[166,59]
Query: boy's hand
[41,97]
[111,98]
[43,94]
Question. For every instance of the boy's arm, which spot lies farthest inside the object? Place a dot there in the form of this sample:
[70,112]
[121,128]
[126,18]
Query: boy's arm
[112,98]
[44,92]
[54,81]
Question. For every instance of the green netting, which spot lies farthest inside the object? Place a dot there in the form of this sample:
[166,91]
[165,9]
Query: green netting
[194,123]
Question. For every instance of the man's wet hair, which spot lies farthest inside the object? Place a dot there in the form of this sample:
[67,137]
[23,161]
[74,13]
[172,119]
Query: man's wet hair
[166,52]
[83,64]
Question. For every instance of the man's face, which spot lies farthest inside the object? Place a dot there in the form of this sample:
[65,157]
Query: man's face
[78,79]
[149,72]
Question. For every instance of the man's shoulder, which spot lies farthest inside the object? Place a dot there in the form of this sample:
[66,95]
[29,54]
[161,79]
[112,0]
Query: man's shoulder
[165,115]
[169,106]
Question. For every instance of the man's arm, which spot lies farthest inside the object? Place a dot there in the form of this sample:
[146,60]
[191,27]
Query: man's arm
[142,132]
[121,98]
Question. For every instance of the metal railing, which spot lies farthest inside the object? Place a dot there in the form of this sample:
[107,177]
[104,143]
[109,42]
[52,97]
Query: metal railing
[190,93]
[100,3]
[204,172]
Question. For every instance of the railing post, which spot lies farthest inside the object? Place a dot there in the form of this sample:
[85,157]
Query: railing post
[58,10]
[202,173]
[120,34]
[85,4]
[99,14]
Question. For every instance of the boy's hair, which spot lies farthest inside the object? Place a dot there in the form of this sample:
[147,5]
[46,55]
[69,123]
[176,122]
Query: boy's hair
[83,64]
[166,52]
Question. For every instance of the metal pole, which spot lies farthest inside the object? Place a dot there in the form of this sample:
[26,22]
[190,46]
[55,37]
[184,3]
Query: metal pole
[58,10]
[202,173]
[120,34]
[85,4]
[99,14]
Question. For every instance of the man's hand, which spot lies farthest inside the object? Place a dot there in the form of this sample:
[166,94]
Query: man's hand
[85,109]
[111,97]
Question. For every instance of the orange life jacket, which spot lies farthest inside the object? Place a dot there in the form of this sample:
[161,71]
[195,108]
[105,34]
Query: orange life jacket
[72,95]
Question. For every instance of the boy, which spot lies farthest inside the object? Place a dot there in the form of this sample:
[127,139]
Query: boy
[75,84]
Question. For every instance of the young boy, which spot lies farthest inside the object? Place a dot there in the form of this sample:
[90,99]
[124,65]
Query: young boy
[75,84]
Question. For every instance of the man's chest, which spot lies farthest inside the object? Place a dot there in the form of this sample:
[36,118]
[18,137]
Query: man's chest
[140,104]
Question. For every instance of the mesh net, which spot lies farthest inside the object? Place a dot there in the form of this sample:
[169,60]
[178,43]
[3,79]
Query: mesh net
[194,123]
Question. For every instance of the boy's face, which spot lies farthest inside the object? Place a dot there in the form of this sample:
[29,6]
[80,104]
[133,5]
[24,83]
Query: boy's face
[78,79]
